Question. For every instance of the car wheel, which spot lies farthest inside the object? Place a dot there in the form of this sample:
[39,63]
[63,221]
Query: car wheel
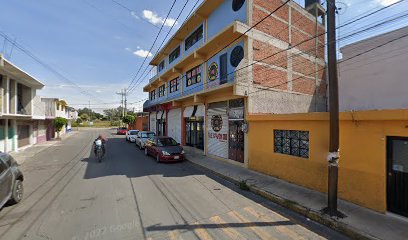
[158,158]
[17,194]
[146,153]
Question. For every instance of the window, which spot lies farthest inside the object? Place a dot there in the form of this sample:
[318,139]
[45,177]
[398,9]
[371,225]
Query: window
[295,143]
[174,55]
[193,76]
[237,4]
[162,88]
[3,167]
[174,85]
[153,95]
[237,55]
[161,66]
[223,68]
[196,36]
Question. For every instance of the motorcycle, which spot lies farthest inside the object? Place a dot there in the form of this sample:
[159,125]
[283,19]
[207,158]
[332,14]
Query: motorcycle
[99,150]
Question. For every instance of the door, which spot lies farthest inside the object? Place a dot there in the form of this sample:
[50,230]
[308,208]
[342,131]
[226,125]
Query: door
[397,177]
[223,68]
[236,141]
[6,179]
[23,132]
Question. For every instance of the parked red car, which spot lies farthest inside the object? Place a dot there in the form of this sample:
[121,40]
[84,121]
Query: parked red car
[164,149]
[121,131]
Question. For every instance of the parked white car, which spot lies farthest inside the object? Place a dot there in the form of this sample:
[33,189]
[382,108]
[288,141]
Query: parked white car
[131,135]
[142,137]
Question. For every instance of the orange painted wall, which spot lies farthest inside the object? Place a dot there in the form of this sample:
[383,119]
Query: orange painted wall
[362,164]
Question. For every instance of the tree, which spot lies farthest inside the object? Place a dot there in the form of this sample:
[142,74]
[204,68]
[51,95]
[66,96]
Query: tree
[128,119]
[84,116]
[59,123]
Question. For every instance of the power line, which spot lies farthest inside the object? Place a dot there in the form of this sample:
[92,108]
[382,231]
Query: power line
[45,65]
[320,69]
[154,42]
[243,34]
[164,40]
[132,12]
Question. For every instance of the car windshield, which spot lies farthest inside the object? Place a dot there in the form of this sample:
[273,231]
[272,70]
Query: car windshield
[163,142]
[147,135]
[122,128]
[132,132]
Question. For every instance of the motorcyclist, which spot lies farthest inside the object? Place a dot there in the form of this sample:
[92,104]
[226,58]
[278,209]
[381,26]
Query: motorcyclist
[103,140]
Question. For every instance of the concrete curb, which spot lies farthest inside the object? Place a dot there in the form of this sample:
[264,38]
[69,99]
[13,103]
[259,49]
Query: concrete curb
[296,207]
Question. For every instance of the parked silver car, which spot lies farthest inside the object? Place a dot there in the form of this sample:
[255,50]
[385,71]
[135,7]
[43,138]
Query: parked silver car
[131,135]
[142,137]
[11,180]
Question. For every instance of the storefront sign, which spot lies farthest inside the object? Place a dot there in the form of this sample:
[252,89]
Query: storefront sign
[218,132]
[216,123]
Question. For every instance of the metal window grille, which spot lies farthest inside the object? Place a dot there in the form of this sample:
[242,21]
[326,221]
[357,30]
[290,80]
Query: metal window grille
[292,142]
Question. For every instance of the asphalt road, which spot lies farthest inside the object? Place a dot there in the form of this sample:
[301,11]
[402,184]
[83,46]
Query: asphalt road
[69,195]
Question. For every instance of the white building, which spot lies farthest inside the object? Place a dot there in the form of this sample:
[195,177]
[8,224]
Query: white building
[376,79]
[19,108]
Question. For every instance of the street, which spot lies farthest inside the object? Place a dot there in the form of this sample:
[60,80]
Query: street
[69,195]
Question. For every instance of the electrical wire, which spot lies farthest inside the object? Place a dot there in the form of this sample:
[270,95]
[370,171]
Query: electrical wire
[320,69]
[164,40]
[154,42]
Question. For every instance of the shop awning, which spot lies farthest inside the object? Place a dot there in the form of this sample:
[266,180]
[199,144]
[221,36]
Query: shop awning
[161,115]
[194,111]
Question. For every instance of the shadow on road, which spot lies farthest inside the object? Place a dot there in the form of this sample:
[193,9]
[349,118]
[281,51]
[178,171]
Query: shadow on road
[123,158]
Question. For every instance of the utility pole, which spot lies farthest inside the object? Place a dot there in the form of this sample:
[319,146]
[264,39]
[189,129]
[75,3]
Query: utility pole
[125,93]
[121,103]
[90,111]
[333,157]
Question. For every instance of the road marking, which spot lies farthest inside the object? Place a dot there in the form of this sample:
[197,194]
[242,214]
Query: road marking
[317,236]
[232,233]
[202,233]
[258,231]
[284,230]
[174,235]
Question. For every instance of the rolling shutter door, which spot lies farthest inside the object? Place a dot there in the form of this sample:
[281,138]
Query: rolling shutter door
[23,132]
[174,124]
[218,130]
[152,122]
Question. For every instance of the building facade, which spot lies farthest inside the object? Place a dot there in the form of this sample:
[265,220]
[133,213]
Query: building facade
[55,107]
[373,164]
[216,70]
[18,107]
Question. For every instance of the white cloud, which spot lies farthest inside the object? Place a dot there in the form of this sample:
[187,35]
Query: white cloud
[98,91]
[157,20]
[128,49]
[387,2]
[143,53]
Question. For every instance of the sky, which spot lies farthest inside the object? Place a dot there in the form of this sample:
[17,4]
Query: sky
[98,45]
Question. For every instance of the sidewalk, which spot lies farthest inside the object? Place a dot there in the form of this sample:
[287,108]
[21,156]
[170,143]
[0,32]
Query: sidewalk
[360,223]
[26,153]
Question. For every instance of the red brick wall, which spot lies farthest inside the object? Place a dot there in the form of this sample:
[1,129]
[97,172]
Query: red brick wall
[138,124]
[271,25]
[269,77]
[263,50]
[302,29]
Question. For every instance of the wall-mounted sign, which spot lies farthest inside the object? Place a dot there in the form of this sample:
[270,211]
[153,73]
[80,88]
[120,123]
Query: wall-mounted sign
[213,71]
[216,123]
